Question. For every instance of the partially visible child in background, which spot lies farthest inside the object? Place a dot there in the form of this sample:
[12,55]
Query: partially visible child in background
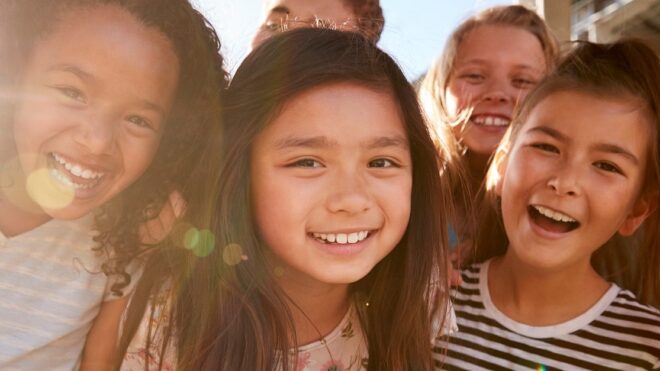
[579,165]
[489,64]
[103,104]
[315,243]
[363,16]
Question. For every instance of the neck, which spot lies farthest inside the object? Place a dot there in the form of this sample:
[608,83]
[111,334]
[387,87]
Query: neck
[18,212]
[316,308]
[477,165]
[540,298]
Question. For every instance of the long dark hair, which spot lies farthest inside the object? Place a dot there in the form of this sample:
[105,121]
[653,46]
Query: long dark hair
[229,314]
[625,69]
[195,114]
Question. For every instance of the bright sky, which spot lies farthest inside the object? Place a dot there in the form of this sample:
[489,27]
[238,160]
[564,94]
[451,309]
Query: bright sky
[415,30]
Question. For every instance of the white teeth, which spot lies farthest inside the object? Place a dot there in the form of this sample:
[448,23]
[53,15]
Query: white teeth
[554,215]
[77,170]
[491,121]
[67,182]
[342,238]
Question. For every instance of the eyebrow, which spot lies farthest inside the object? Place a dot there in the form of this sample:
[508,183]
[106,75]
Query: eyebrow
[480,61]
[551,132]
[393,141]
[600,147]
[618,150]
[324,142]
[308,142]
[83,75]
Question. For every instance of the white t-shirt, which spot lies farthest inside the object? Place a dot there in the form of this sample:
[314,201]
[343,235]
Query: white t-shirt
[51,289]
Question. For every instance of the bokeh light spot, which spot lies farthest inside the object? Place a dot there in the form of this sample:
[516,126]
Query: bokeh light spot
[191,238]
[44,190]
[205,244]
[232,254]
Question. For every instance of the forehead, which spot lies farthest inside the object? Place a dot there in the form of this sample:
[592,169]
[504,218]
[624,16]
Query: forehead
[345,113]
[501,44]
[109,43]
[324,9]
[107,26]
[587,118]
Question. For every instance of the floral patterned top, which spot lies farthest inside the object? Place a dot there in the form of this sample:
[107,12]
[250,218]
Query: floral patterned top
[343,349]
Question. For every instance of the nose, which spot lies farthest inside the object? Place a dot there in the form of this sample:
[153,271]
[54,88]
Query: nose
[349,194]
[498,90]
[565,181]
[97,133]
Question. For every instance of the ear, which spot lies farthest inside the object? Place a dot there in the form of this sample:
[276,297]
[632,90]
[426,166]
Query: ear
[644,207]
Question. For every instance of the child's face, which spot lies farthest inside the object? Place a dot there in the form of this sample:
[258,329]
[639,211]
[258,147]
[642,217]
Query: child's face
[94,97]
[331,183]
[572,179]
[301,13]
[495,67]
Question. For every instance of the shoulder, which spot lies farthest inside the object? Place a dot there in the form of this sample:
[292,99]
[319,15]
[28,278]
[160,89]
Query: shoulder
[145,348]
[629,316]
[469,289]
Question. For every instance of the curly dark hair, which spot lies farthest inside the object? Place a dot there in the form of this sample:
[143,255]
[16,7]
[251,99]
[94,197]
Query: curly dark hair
[194,117]
[369,16]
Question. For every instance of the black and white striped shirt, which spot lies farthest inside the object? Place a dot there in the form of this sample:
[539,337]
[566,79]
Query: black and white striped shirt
[617,333]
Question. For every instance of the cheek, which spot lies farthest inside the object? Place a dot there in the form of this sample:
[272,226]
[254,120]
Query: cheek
[452,101]
[138,155]
[516,177]
[458,96]
[275,205]
[395,199]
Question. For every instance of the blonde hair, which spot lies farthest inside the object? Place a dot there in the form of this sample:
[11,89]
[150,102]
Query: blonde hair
[432,99]
[432,90]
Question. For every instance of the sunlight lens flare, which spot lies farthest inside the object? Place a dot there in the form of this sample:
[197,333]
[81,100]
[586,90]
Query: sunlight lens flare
[44,190]
[200,242]
[232,254]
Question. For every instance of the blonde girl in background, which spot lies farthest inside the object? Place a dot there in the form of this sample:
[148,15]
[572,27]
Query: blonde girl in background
[489,64]
[102,105]
[316,240]
[579,165]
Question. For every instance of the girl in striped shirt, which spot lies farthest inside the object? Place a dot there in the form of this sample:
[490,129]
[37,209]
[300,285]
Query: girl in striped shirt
[579,165]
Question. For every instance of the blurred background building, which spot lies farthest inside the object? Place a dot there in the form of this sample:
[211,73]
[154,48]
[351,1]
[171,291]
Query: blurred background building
[601,20]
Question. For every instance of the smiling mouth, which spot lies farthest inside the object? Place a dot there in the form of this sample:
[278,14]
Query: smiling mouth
[490,120]
[72,175]
[552,220]
[341,238]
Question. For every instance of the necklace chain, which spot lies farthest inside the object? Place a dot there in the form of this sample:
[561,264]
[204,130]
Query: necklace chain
[321,337]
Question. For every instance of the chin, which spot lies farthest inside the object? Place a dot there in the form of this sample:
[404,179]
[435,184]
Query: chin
[68,213]
[343,278]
